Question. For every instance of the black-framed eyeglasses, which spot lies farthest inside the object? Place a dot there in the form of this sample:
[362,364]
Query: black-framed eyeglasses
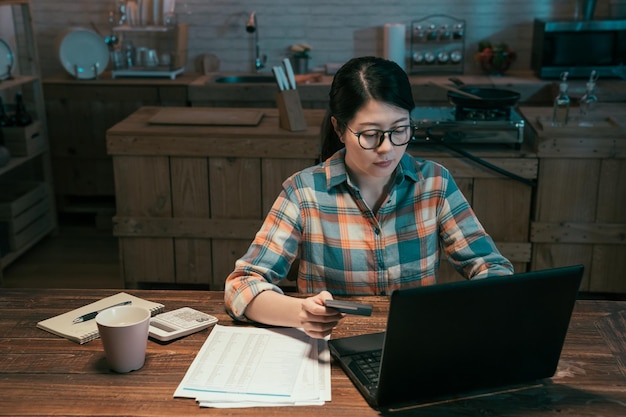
[373,138]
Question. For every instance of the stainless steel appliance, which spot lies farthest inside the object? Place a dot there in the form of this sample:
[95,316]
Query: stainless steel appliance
[579,47]
[454,127]
[499,125]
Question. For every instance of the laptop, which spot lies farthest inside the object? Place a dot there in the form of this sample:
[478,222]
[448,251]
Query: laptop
[450,340]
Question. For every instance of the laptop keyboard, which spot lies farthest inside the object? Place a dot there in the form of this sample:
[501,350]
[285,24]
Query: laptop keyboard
[367,365]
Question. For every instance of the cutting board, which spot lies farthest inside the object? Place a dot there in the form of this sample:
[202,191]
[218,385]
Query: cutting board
[206,116]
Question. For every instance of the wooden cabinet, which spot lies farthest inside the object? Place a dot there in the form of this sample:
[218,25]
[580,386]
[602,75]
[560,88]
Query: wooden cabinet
[79,114]
[27,209]
[189,199]
[579,214]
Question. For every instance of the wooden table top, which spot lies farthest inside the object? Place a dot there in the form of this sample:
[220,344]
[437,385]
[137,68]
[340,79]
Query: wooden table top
[42,374]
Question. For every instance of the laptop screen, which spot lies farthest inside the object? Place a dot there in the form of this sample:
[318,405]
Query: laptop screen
[452,338]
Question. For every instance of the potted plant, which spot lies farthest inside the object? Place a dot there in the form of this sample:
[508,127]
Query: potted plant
[494,59]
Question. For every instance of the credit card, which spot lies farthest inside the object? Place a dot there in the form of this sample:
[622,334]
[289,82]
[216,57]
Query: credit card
[350,307]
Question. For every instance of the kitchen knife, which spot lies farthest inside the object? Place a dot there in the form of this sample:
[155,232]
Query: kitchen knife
[290,74]
[282,77]
[279,81]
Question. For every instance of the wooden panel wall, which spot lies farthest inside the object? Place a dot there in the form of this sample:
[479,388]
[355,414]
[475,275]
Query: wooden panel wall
[193,217]
[580,215]
[79,114]
[580,218]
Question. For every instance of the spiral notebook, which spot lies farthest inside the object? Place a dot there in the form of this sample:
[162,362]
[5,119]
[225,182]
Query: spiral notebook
[63,325]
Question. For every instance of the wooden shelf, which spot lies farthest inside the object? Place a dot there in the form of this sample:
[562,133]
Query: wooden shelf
[22,231]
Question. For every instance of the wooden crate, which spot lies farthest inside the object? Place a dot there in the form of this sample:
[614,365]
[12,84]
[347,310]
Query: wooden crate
[18,196]
[24,213]
[22,141]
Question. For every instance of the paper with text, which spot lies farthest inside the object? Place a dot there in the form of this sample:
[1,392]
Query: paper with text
[248,366]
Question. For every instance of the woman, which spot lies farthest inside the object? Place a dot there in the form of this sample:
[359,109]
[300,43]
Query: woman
[368,220]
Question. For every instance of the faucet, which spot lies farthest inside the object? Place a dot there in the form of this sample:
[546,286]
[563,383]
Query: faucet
[253,27]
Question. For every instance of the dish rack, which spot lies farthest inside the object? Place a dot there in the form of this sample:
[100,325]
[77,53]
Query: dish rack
[167,41]
[437,45]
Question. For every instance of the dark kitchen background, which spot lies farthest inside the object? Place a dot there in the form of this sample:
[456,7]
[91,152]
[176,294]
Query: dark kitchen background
[336,30]
[556,198]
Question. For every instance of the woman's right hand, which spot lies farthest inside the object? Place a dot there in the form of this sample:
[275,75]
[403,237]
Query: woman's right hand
[316,320]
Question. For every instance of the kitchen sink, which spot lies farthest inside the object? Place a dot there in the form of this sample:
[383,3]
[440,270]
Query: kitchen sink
[244,79]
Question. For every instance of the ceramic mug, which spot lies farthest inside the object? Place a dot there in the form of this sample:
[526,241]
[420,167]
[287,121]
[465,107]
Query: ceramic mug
[124,334]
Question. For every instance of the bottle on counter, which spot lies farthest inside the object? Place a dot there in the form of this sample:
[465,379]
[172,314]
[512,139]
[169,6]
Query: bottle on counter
[588,100]
[5,120]
[5,155]
[21,117]
[560,112]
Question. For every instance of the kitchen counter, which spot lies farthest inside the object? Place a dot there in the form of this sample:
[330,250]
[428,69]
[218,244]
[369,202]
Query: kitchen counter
[601,134]
[189,199]
[579,214]
[204,91]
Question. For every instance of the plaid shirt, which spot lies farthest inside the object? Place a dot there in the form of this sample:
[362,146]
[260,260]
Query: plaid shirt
[345,248]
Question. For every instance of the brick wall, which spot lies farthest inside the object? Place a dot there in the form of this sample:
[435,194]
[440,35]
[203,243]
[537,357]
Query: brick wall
[337,30]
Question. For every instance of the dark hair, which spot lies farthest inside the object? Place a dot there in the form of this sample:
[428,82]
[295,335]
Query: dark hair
[358,81]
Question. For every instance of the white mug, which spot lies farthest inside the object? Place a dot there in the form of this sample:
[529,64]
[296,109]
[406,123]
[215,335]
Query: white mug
[124,334]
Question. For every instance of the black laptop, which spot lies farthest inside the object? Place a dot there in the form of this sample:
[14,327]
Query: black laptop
[448,340]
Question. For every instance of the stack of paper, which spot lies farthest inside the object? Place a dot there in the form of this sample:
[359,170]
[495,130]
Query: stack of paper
[252,367]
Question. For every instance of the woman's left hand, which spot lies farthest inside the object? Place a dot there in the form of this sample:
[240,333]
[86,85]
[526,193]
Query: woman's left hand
[316,320]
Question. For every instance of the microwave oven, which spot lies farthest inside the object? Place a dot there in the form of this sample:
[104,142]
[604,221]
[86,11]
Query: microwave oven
[579,47]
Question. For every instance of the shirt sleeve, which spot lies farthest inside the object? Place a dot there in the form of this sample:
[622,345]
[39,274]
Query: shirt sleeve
[469,248]
[269,257]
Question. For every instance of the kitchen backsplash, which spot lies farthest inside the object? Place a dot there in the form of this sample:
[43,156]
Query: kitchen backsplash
[336,30]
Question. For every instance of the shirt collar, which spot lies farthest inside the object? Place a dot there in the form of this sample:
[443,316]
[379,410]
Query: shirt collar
[336,173]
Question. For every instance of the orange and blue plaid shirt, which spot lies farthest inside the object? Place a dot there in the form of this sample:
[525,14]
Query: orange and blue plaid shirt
[345,248]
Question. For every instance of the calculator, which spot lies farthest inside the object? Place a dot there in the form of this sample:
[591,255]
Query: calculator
[178,323]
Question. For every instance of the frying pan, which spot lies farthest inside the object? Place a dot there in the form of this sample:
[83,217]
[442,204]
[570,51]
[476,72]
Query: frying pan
[490,98]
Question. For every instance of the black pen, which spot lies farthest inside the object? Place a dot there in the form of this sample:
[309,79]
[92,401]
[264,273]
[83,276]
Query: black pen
[93,314]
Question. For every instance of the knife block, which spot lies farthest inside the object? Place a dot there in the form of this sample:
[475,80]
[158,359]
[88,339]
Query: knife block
[290,114]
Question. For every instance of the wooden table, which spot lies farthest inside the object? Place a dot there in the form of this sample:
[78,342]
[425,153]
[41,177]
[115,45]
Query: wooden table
[42,374]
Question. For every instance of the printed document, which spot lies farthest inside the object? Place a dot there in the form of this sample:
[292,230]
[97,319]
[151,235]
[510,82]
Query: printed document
[254,367]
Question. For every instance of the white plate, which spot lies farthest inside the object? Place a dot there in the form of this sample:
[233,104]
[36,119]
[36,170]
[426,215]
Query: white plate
[6,60]
[80,50]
